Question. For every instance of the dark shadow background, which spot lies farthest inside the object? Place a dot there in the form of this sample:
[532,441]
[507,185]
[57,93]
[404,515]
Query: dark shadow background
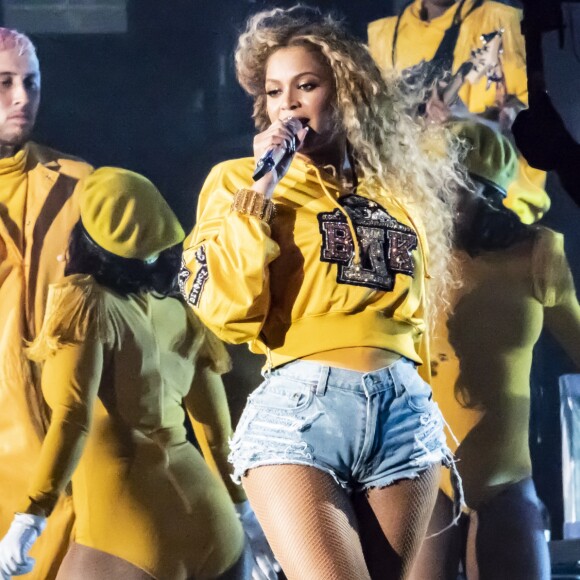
[162,100]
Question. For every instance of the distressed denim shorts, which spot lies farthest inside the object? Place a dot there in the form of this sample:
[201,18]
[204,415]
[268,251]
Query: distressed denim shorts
[365,429]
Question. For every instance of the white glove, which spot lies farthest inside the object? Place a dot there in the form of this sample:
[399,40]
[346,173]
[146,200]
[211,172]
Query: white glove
[265,566]
[14,546]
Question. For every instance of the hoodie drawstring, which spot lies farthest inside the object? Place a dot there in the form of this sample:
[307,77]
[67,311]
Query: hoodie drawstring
[331,197]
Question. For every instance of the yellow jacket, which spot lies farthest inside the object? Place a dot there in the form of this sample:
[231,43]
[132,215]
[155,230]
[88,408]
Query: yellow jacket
[28,264]
[418,40]
[302,286]
[481,377]
[117,374]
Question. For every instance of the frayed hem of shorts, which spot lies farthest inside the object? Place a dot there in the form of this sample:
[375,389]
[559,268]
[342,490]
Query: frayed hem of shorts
[257,464]
[404,475]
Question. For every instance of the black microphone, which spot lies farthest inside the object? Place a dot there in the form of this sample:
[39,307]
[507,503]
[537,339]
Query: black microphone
[273,158]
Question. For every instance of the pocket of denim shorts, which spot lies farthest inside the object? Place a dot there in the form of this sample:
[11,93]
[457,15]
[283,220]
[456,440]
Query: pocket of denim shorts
[283,394]
[417,393]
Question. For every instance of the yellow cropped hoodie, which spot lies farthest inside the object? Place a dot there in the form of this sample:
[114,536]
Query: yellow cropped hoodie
[306,283]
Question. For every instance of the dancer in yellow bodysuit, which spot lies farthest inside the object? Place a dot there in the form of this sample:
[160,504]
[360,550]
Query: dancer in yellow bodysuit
[515,280]
[122,356]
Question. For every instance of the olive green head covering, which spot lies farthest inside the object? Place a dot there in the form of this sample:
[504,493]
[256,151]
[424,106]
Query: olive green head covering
[124,213]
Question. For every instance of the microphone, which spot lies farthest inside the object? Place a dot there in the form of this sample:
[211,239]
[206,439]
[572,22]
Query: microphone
[273,158]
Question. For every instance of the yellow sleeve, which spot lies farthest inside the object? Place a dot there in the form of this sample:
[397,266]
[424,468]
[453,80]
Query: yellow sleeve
[225,275]
[72,346]
[555,288]
[380,41]
[551,274]
[74,310]
[209,413]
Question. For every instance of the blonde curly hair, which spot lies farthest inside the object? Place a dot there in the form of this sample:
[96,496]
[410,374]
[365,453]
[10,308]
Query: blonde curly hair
[395,151]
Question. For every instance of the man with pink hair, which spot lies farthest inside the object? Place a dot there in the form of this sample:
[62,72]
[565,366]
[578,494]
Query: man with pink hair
[38,209]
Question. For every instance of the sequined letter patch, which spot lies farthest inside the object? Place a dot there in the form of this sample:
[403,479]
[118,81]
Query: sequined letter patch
[385,244]
[199,280]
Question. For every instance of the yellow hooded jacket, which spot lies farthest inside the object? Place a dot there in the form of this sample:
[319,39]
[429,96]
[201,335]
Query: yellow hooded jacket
[418,40]
[38,209]
[304,284]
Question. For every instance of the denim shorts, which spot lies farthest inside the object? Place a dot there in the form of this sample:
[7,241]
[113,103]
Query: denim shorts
[365,429]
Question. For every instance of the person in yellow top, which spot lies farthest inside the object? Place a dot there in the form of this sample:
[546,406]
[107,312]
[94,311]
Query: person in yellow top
[329,262]
[38,209]
[515,280]
[417,34]
[122,355]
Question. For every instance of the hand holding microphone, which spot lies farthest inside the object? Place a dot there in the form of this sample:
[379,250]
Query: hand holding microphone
[275,148]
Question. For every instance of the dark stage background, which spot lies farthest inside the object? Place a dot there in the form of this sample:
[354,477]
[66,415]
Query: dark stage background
[162,99]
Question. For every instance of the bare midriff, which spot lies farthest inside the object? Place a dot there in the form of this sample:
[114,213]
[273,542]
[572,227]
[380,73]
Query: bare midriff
[357,358]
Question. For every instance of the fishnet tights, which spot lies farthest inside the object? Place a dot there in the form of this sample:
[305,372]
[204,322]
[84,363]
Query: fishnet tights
[313,526]
[393,522]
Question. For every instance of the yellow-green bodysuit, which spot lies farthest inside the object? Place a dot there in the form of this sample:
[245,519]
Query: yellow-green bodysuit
[118,371]
[482,356]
